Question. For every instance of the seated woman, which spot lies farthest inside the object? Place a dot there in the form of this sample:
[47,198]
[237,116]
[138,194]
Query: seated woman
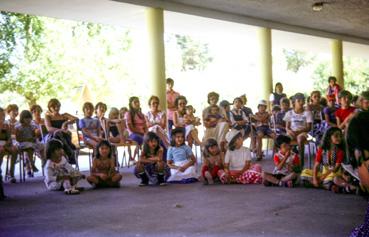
[180,159]
[237,162]
[181,120]
[151,166]
[218,130]
[103,173]
[57,127]
[156,120]
[36,111]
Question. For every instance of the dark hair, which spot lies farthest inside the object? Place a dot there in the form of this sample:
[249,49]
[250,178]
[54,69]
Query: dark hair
[345,93]
[174,132]
[53,102]
[232,145]
[35,107]
[150,136]
[170,81]
[102,105]
[133,111]
[285,100]
[191,107]
[11,107]
[282,139]
[211,94]
[239,99]
[1,109]
[153,97]
[315,92]
[326,140]
[51,146]
[87,105]
[209,143]
[276,108]
[323,102]
[277,84]
[103,143]
[181,97]
[25,114]
[332,78]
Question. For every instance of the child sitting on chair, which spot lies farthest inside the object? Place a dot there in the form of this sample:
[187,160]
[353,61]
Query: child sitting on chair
[59,174]
[103,173]
[286,162]
[262,119]
[90,127]
[28,141]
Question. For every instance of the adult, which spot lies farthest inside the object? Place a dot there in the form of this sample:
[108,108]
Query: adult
[57,127]
[171,107]
[218,130]
[156,120]
[36,111]
[277,95]
[358,143]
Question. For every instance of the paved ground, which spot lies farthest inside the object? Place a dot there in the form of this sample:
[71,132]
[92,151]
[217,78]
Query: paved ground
[178,210]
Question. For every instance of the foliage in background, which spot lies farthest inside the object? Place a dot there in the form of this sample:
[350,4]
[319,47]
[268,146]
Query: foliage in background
[297,59]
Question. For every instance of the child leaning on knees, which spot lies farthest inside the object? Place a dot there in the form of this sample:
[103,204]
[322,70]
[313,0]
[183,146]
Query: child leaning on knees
[180,159]
[213,161]
[151,165]
[103,173]
[286,164]
[237,162]
[28,141]
[330,155]
[59,174]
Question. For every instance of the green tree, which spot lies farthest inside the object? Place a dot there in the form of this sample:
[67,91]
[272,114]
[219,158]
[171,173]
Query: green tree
[297,59]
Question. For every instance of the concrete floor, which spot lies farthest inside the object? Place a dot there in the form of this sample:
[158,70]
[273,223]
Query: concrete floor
[178,210]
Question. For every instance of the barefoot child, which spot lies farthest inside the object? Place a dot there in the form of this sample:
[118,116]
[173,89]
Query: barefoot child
[286,162]
[213,161]
[103,173]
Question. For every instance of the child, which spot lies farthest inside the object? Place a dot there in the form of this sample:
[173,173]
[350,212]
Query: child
[238,118]
[329,112]
[333,88]
[237,162]
[345,112]
[213,161]
[180,159]
[100,110]
[103,173]
[171,97]
[59,174]
[41,132]
[151,166]
[191,122]
[122,112]
[280,124]
[286,163]
[330,155]
[191,133]
[6,145]
[90,126]
[364,101]
[262,119]
[213,116]
[116,127]
[225,105]
[298,124]
[316,109]
[26,136]
[12,111]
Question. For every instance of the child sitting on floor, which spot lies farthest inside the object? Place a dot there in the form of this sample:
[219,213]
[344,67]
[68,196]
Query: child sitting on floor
[330,155]
[180,159]
[103,173]
[151,166]
[286,163]
[28,141]
[213,161]
[237,162]
[59,174]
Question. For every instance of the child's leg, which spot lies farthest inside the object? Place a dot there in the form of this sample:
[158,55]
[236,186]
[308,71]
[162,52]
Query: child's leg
[301,139]
[340,182]
[92,179]
[214,171]
[269,178]
[160,166]
[116,178]
[14,152]
[289,177]
[259,143]
[195,137]
[31,162]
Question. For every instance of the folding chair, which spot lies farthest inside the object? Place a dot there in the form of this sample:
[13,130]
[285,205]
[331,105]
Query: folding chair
[82,146]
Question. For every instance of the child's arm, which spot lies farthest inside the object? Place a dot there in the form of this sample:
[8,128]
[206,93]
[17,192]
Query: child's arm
[175,120]
[130,125]
[171,165]
[190,163]
[328,121]
[282,162]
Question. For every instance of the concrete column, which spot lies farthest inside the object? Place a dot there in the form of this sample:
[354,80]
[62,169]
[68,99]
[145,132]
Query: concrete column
[155,30]
[337,62]
[266,73]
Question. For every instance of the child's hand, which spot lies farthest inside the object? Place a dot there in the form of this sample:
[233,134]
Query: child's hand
[182,169]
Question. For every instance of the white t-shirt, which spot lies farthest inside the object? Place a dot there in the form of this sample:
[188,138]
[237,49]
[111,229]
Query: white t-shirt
[298,121]
[237,158]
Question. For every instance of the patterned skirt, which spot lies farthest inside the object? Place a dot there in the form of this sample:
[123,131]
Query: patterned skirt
[251,176]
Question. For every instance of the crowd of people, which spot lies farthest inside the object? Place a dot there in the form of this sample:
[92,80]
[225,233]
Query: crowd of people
[337,122]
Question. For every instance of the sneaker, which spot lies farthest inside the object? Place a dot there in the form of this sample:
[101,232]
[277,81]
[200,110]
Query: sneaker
[209,178]
[144,180]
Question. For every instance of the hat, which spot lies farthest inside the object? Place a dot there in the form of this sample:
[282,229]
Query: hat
[231,134]
[299,96]
[263,102]
[224,103]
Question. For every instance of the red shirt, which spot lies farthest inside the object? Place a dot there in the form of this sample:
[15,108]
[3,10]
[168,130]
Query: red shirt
[342,114]
[320,153]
